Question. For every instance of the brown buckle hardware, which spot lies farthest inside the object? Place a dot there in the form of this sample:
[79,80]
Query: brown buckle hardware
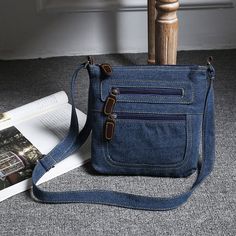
[108,109]
[106,69]
[110,102]
[110,127]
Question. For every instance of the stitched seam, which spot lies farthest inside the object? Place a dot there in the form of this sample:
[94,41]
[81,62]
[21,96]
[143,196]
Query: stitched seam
[164,68]
[99,111]
[110,191]
[124,205]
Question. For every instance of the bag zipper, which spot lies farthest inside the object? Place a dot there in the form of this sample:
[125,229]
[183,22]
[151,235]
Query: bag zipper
[149,91]
[116,91]
[147,116]
[111,120]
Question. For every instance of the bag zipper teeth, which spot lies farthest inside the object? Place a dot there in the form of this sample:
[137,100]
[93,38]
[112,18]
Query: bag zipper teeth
[150,91]
[145,116]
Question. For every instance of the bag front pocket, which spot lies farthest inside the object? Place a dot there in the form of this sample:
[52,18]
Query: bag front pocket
[146,139]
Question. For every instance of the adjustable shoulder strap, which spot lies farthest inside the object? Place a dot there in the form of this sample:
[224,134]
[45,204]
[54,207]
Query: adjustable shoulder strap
[74,140]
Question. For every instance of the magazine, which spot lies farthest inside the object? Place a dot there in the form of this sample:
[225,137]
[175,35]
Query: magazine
[30,131]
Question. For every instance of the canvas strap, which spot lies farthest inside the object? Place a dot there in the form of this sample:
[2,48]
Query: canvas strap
[73,141]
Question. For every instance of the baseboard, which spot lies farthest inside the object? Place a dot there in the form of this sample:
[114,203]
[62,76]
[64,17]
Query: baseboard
[121,5]
[91,52]
[206,4]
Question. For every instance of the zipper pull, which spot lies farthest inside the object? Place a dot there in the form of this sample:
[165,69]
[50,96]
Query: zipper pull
[110,102]
[110,126]
[210,69]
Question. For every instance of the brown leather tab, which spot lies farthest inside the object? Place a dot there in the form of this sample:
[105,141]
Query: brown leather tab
[106,69]
[109,105]
[109,129]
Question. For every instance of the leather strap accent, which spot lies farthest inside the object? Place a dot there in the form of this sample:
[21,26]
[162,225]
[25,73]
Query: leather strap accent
[109,104]
[106,69]
[109,128]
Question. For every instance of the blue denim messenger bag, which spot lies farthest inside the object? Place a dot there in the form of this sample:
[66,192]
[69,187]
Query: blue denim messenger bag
[145,120]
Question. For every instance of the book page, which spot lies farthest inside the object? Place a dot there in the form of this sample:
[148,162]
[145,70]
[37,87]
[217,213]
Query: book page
[32,109]
[44,132]
[47,130]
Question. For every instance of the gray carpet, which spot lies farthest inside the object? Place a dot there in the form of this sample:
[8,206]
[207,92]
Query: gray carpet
[211,209]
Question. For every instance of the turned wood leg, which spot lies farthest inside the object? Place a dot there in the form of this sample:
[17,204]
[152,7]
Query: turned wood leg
[166,31]
[151,31]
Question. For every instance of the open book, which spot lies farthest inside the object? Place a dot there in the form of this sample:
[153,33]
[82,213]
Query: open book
[28,132]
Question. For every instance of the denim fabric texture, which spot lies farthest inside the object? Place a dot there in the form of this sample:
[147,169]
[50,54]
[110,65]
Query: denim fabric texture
[161,115]
[144,146]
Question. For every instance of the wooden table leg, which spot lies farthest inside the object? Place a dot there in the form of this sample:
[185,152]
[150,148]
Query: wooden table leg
[151,31]
[166,31]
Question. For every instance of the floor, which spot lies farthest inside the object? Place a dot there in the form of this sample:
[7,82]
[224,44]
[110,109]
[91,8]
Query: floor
[211,209]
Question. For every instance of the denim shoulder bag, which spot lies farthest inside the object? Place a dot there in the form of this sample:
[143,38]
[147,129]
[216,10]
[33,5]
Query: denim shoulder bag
[145,120]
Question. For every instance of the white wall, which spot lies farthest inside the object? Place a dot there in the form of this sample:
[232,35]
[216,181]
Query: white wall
[31,30]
